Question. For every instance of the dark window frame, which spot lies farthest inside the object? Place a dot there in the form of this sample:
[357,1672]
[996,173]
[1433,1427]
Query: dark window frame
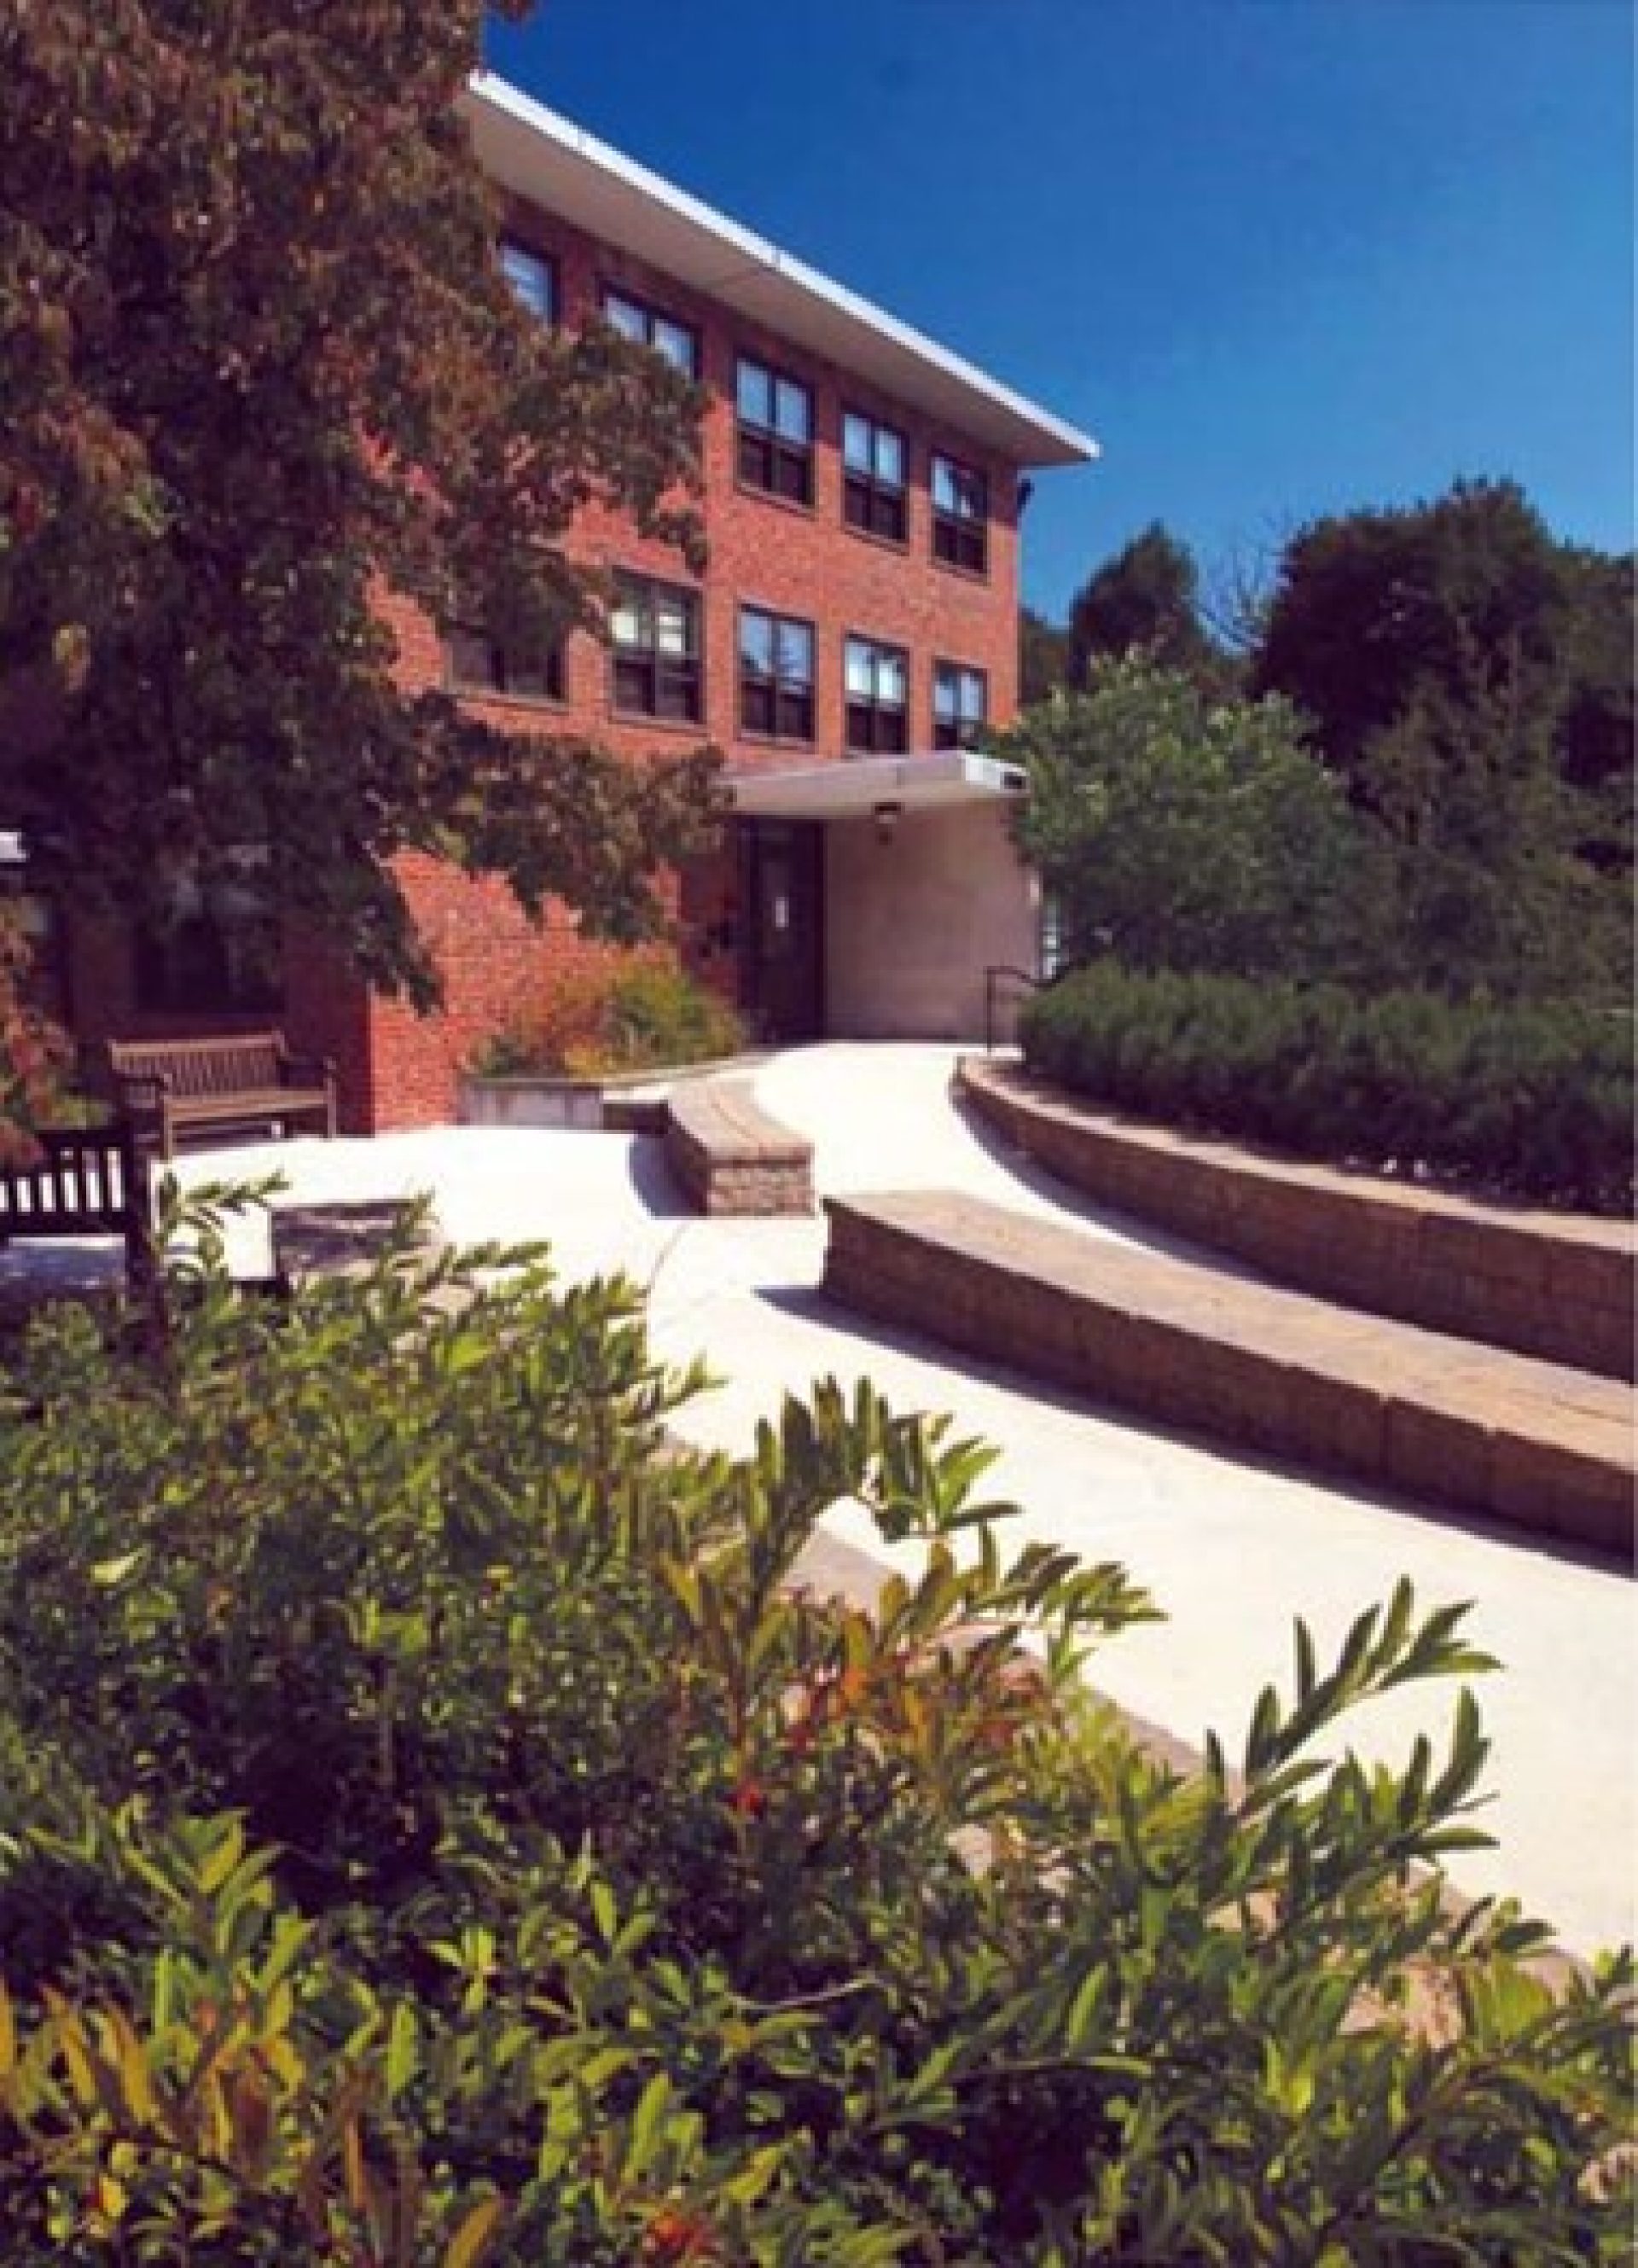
[674,687]
[548,263]
[959,731]
[502,667]
[791,708]
[870,726]
[190,967]
[652,314]
[960,536]
[766,461]
[871,504]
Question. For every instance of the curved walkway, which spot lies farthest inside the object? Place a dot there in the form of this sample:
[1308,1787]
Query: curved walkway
[1232,1550]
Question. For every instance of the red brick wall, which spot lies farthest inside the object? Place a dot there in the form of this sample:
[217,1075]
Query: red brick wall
[399,1070]
[495,965]
[323,1012]
[763,552]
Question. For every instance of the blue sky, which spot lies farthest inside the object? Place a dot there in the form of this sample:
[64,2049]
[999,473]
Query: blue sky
[1281,256]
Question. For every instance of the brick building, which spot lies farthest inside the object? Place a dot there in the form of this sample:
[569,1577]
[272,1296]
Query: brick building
[856,629]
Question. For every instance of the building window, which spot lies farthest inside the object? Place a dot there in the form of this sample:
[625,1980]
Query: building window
[775,675]
[478,664]
[961,515]
[960,705]
[656,633]
[678,343]
[873,477]
[776,433]
[533,277]
[215,953]
[878,680]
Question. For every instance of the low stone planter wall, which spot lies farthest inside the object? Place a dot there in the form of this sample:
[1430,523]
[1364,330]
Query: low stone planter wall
[620,1102]
[530,1101]
[1558,1285]
[728,1156]
[1266,1370]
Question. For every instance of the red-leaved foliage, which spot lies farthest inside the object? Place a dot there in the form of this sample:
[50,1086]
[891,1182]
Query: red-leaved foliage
[34,1052]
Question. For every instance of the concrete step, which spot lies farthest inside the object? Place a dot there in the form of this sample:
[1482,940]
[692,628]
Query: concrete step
[1508,1436]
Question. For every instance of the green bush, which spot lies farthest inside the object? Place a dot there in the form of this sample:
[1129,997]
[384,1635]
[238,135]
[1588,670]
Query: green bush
[645,1014]
[658,1013]
[436,1827]
[1525,1100]
[1178,830]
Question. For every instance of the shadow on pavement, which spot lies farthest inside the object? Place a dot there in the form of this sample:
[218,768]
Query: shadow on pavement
[815,1306]
[652,1181]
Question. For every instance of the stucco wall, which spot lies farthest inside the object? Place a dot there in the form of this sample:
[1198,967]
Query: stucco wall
[911,924]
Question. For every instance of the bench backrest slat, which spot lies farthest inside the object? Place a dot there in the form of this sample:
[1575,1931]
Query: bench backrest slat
[238,1063]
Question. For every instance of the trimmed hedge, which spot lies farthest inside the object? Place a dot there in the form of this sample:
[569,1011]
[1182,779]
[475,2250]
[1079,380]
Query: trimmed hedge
[1524,1100]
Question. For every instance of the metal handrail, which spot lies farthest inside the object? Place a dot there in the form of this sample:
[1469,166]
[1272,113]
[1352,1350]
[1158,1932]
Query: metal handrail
[995,972]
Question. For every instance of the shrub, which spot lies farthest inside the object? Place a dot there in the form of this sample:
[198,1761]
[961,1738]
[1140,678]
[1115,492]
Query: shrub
[1527,1099]
[1180,831]
[436,1827]
[33,1053]
[645,1014]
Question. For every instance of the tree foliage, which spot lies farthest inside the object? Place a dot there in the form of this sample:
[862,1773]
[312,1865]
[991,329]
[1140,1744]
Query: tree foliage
[257,368]
[1379,616]
[438,1825]
[1496,884]
[1043,657]
[34,1052]
[1144,602]
[1176,832]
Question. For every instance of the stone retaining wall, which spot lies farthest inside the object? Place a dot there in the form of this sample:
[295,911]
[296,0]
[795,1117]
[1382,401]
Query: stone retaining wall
[1558,1285]
[728,1156]
[1262,1369]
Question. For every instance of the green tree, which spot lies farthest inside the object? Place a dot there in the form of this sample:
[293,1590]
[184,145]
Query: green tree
[1374,611]
[1491,885]
[1471,678]
[1595,740]
[1144,600]
[259,370]
[1043,655]
[1176,832]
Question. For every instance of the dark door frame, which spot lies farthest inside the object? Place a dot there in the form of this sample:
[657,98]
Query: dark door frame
[785,1000]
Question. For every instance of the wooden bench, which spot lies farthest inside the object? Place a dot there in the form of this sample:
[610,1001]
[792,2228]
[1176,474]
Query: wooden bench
[84,1181]
[730,1156]
[239,1079]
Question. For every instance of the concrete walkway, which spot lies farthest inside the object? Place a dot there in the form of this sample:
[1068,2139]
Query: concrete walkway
[1233,1550]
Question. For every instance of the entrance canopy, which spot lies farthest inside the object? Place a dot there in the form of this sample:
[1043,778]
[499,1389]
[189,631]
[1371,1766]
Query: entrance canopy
[858,786]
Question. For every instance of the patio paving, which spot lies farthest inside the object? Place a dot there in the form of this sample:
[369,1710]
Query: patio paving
[1231,1547]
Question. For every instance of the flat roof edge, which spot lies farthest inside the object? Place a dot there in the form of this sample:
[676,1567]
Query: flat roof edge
[486,87]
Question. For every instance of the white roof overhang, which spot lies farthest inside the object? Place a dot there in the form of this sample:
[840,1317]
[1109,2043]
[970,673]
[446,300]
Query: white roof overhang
[549,161]
[856,787]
